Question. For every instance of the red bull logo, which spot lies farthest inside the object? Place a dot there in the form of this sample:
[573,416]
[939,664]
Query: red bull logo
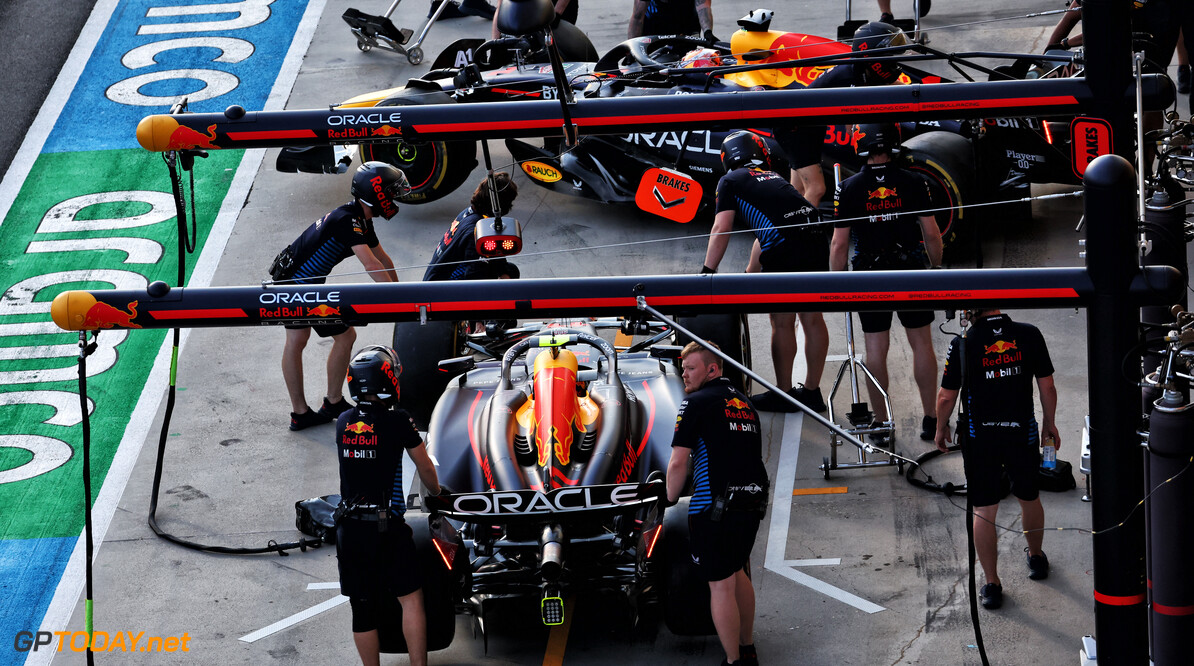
[360,427]
[388,209]
[323,310]
[185,138]
[882,193]
[1000,347]
[387,130]
[736,403]
[102,315]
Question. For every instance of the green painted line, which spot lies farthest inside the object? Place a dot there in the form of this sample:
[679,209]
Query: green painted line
[82,220]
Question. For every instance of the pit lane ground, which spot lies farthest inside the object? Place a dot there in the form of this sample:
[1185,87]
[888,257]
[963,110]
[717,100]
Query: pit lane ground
[233,471]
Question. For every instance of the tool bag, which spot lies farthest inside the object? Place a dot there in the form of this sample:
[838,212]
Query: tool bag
[317,517]
[1059,479]
[283,265]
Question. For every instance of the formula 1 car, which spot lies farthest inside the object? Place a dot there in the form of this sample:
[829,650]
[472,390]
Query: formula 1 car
[553,454]
[674,174]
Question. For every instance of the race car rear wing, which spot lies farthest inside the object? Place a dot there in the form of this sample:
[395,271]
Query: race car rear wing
[556,505]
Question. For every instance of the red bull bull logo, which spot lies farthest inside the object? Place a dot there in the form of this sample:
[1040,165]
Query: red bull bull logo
[1000,347]
[323,310]
[882,193]
[737,408]
[185,138]
[736,403]
[387,130]
[102,315]
[360,427]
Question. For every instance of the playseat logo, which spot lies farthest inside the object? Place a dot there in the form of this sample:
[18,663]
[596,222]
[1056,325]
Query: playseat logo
[534,502]
[299,297]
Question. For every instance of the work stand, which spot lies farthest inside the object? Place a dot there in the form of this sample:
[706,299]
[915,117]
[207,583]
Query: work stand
[380,32]
[860,418]
[845,31]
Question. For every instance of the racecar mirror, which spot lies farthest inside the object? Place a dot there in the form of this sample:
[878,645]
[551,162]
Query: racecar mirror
[458,365]
[498,236]
[667,352]
[523,17]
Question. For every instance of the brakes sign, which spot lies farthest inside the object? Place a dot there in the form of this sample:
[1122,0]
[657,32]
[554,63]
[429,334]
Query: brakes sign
[1089,138]
[668,193]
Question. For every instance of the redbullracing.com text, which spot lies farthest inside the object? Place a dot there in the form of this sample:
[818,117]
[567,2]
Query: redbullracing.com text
[98,641]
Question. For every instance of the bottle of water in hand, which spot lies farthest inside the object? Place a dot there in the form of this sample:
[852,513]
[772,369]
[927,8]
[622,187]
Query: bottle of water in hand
[1049,454]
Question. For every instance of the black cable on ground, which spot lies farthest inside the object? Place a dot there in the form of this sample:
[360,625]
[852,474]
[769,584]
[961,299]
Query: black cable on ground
[970,556]
[187,244]
[85,350]
[928,483]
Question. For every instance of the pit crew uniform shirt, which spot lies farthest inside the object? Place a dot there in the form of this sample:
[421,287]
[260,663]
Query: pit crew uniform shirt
[374,554]
[881,204]
[329,241]
[456,257]
[719,425]
[671,17]
[767,203]
[1002,360]
[326,243]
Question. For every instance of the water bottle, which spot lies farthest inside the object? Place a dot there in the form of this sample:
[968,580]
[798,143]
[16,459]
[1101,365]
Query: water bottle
[1049,455]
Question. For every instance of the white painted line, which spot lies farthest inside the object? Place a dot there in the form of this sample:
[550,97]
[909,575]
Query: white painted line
[295,619]
[823,562]
[781,520]
[322,586]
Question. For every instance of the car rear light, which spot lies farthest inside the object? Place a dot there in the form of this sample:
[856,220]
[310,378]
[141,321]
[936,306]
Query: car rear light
[1048,132]
[443,537]
[651,537]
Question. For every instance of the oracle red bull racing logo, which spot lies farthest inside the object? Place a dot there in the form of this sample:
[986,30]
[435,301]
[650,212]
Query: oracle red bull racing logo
[737,408]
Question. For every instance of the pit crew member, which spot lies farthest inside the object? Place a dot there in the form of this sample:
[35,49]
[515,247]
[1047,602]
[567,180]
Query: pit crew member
[719,430]
[767,203]
[803,144]
[998,431]
[672,17]
[342,233]
[879,207]
[374,547]
[456,257]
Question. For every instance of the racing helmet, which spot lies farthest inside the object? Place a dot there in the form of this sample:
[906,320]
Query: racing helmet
[373,375]
[876,138]
[379,186]
[744,149]
[877,35]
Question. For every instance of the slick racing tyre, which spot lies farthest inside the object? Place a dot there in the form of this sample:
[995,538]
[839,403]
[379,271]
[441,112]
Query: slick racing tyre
[440,590]
[421,347]
[434,168]
[946,161]
[731,333]
[686,595]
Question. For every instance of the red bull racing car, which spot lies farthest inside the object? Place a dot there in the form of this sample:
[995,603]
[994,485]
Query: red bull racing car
[674,173]
[553,447]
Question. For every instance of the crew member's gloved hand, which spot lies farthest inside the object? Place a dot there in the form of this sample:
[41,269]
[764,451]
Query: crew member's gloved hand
[710,38]
[445,490]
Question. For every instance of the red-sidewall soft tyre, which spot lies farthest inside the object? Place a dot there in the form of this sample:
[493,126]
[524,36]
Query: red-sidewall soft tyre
[435,169]
[946,161]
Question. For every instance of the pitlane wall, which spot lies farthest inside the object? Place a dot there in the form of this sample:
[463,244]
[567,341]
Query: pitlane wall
[85,207]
